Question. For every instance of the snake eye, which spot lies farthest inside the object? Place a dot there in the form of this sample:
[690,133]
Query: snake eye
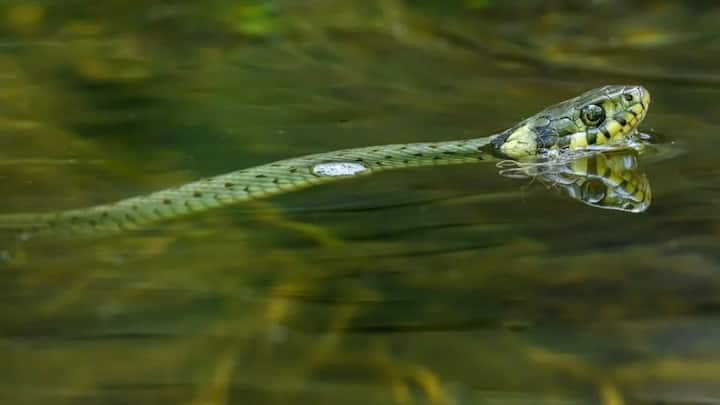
[592,114]
[628,97]
[593,192]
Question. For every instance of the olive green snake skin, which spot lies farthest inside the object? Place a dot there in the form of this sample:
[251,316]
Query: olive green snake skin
[603,117]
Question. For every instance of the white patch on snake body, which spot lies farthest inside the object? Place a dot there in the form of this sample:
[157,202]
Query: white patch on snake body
[336,169]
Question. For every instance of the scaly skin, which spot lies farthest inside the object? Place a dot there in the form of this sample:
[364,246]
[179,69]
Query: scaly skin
[567,125]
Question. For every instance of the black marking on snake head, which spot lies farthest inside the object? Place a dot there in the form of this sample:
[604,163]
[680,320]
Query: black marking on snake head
[592,137]
[620,119]
[545,136]
[497,142]
[605,132]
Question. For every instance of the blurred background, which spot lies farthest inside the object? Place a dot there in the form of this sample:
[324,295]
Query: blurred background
[441,285]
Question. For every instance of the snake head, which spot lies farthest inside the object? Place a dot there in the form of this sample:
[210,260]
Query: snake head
[603,117]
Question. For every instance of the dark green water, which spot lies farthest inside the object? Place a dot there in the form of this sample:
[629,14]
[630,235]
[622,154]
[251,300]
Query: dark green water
[444,285]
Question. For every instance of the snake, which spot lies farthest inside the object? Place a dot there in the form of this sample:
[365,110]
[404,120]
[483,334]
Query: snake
[600,118]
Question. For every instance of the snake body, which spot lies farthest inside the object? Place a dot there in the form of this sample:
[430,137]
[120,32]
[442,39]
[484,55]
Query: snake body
[604,116]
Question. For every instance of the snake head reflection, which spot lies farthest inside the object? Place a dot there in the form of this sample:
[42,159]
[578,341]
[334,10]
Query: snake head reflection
[608,180]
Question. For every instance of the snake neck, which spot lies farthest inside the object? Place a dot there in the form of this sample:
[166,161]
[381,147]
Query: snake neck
[417,154]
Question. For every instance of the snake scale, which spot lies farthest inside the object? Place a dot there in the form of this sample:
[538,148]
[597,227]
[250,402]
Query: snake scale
[604,116]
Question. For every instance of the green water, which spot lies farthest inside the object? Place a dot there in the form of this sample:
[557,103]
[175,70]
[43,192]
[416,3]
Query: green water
[444,285]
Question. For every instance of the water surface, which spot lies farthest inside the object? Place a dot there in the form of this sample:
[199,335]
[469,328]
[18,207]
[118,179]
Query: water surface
[443,285]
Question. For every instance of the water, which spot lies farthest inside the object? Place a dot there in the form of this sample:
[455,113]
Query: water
[446,285]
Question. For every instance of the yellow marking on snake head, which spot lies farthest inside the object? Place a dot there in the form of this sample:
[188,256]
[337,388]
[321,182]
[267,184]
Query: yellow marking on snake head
[520,144]
[578,141]
[615,129]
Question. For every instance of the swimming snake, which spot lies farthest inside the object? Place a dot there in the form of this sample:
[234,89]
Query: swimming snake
[602,117]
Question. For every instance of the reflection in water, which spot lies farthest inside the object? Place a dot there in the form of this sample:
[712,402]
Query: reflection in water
[609,180]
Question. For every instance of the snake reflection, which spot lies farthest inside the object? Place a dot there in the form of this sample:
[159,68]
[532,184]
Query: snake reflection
[608,180]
